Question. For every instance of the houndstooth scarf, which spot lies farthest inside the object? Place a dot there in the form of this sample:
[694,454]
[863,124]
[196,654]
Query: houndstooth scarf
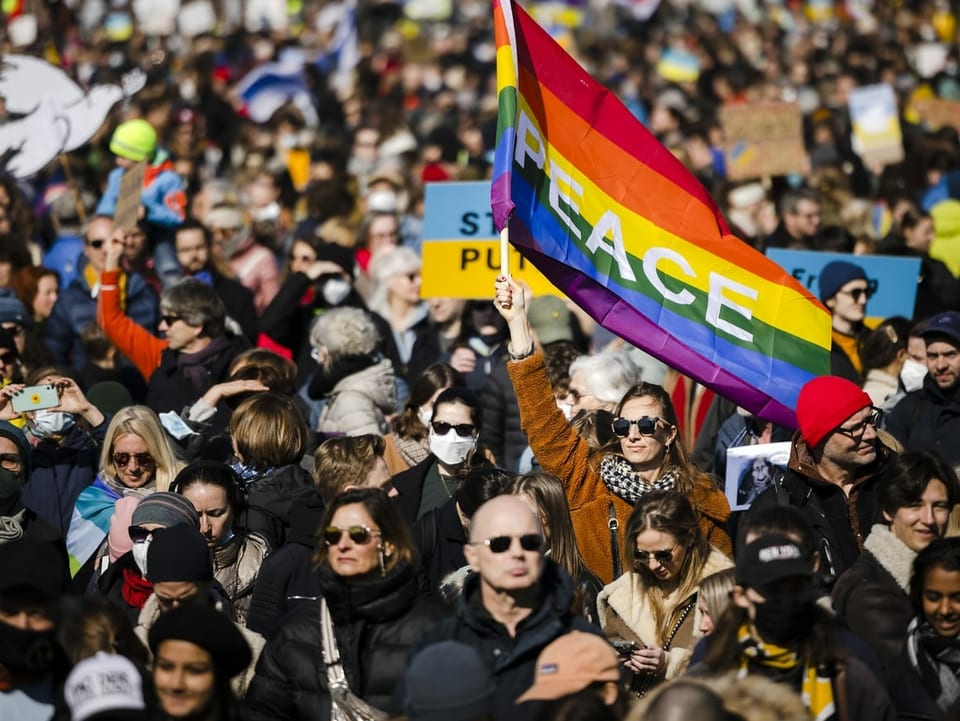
[620,478]
[937,662]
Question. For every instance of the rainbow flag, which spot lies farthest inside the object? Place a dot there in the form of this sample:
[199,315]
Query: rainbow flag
[614,220]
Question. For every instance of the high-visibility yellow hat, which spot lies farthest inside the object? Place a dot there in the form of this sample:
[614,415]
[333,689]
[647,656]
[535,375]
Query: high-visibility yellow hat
[135,140]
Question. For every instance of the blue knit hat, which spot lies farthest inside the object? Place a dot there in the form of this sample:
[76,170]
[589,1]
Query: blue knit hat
[837,274]
[12,310]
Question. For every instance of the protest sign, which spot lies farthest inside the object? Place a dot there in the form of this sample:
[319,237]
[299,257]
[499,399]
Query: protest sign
[461,247]
[128,200]
[763,140]
[893,279]
[937,113]
[876,135]
[751,470]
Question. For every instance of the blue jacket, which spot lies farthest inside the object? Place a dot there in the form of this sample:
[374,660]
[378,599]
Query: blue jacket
[163,197]
[76,309]
[58,472]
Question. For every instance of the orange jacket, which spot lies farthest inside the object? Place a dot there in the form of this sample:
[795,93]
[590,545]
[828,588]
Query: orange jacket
[139,345]
[560,450]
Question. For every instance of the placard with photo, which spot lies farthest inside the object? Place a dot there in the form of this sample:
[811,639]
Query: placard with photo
[752,469]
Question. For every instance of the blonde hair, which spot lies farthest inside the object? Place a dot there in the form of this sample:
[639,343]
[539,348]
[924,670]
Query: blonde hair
[268,431]
[715,592]
[143,423]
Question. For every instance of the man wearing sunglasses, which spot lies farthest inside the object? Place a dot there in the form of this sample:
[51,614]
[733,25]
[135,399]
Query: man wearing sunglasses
[930,417]
[845,290]
[514,603]
[836,464]
[197,349]
[76,307]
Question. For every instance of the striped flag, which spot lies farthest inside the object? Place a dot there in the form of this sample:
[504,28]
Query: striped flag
[614,220]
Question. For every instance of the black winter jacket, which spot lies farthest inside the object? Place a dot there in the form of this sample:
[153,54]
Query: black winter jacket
[501,431]
[287,578]
[928,419]
[270,499]
[824,506]
[169,390]
[376,621]
[512,660]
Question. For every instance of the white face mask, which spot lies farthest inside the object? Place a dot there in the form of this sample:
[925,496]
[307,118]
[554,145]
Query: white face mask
[912,374]
[425,414]
[50,423]
[139,552]
[336,290]
[566,409]
[451,449]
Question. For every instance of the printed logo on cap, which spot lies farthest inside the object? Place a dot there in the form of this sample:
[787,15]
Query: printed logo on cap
[778,553]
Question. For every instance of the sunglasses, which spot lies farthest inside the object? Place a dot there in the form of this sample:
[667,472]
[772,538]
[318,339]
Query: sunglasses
[464,430]
[95,243]
[170,319]
[361,535]
[7,358]
[858,293]
[662,557]
[501,544]
[646,426]
[122,460]
[138,535]
[13,329]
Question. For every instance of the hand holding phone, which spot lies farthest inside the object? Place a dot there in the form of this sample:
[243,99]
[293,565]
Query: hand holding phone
[35,398]
[625,648]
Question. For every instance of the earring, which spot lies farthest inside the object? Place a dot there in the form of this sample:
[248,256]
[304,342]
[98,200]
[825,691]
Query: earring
[383,568]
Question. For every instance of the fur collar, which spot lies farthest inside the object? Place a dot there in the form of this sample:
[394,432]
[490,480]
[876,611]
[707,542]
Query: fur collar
[891,553]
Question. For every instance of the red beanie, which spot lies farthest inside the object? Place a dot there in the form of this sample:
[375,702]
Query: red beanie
[825,403]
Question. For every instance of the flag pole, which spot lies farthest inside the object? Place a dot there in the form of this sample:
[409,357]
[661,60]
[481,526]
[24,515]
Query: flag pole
[505,252]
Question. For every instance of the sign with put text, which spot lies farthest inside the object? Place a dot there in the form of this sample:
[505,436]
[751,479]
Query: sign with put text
[461,246]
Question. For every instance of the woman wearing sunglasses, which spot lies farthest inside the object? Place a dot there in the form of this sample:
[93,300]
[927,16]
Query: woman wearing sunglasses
[366,565]
[452,435]
[137,460]
[651,611]
[602,486]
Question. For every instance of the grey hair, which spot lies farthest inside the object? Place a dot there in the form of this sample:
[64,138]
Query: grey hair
[399,261]
[609,375]
[345,332]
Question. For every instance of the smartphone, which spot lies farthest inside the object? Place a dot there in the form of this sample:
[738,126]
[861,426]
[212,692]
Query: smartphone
[625,648]
[35,398]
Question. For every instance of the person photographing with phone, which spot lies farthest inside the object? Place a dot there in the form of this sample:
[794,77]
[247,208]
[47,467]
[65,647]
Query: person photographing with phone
[650,613]
[64,432]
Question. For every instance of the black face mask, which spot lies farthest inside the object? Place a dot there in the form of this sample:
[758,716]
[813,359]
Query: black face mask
[25,652]
[10,484]
[784,619]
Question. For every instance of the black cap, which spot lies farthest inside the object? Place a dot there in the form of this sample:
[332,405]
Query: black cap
[179,553]
[28,563]
[207,628]
[771,558]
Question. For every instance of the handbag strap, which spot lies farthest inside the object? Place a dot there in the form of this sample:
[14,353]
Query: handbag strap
[614,525]
[336,678]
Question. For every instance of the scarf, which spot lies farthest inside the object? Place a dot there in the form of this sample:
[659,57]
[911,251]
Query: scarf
[816,689]
[412,450]
[620,478]
[326,379]
[11,527]
[248,474]
[136,589]
[193,366]
[937,662]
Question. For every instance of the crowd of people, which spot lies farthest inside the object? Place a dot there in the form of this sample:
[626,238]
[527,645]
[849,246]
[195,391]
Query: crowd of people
[248,471]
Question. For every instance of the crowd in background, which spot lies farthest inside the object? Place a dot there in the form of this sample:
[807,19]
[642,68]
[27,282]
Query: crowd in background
[247,471]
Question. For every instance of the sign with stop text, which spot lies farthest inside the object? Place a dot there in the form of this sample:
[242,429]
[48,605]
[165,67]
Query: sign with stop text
[461,246]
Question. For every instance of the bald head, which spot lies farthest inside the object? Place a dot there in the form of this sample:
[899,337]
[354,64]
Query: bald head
[506,545]
[504,515]
[684,700]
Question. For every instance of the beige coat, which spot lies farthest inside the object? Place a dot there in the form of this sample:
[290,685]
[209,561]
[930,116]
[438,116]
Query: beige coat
[625,603]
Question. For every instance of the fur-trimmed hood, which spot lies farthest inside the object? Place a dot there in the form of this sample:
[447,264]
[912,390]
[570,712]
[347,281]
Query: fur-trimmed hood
[891,553]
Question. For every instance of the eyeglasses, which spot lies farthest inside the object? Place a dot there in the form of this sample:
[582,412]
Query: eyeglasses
[170,319]
[361,535]
[138,535]
[11,462]
[858,293]
[464,430]
[14,329]
[662,557]
[646,426]
[7,358]
[122,460]
[95,243]
[501,544]
[855,433]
